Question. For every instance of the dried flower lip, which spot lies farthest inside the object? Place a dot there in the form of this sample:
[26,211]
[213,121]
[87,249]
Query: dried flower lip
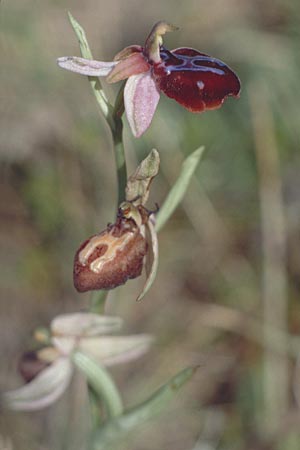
[195,80]
[110,258]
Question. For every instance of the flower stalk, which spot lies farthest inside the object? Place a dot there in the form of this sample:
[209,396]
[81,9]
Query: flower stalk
[101,382]
[110,258]
[113,115]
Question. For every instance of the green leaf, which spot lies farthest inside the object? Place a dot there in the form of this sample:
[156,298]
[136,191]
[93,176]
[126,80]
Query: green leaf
[80,33]
[177,192]
[101,382]
[115,429]
[101,98]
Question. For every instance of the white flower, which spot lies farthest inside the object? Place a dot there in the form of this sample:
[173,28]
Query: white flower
[87,333]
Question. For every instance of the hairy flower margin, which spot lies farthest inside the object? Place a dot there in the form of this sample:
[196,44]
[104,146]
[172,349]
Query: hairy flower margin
[84,332]
[195,80]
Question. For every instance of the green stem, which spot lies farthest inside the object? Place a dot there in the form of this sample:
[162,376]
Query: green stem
[99,380]
[101,98]
[117,132]
[112,432]
[101,383]
[94,408]
[97,301]
[120,165]
[113,115]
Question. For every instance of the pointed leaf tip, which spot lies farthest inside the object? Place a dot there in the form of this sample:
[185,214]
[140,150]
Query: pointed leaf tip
[114,430]
[179,189]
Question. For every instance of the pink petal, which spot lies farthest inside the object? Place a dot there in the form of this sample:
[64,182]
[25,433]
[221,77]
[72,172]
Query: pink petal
[127,51]
[86,66]
[47,387]
[141,97]
[111,350]
[84,324]
[131,65]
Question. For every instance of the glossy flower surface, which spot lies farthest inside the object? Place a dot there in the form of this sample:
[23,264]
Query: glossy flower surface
[195,80]
[110,258]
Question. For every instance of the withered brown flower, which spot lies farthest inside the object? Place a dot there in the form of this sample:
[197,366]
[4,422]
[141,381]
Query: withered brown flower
[119,253]
[108,259]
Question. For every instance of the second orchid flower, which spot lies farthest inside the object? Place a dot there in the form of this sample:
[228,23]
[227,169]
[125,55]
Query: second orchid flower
[195,80]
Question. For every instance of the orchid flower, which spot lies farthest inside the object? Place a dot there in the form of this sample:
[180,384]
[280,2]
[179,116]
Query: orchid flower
[84,332]
[120,252]
[195,80]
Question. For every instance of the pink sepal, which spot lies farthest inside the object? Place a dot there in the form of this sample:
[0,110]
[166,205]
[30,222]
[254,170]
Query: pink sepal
[84,66]
[141,97]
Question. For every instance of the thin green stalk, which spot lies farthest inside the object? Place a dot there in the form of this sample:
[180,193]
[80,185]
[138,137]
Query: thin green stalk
[119,150]
[274,271]
[94,408]
[97,301]
[179,188]
[113,115]
[101,382]
[100,95]
[120,166]
[113,431]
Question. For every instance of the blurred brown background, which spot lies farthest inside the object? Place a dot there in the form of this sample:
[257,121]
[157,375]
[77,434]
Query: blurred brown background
[227,292]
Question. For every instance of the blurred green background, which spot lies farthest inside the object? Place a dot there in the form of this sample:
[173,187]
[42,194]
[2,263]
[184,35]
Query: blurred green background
[227,292]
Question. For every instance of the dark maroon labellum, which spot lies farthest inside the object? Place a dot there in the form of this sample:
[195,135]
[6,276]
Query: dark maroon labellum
[108,259]
[30,365]
[195,80]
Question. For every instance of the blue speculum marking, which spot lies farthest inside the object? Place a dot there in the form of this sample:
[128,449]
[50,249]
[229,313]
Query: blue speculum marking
[195,80]
[191,63]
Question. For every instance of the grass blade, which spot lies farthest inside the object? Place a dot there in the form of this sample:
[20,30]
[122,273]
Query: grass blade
[94,81]
[177,192]
[100,380]
[115,429]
